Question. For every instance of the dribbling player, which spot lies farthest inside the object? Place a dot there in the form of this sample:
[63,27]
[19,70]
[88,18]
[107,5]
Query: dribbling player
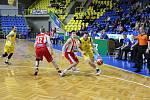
[88,49]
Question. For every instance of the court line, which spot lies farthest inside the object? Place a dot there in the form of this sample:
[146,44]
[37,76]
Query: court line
[116,67]
[122,79]
[125,80]
[126,70]
[113,66]
[11,66]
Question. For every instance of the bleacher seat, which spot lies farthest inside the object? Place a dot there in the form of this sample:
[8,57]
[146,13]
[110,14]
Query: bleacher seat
[8,21]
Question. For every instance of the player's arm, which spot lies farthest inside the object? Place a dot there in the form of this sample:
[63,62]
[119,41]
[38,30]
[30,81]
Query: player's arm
[79,47]
[35,42]
[49,44]
[64,46]
[9,35]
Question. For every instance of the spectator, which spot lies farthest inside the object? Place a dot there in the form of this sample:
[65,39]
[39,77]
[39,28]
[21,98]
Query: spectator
[122,29]
[103,35]
[29,32]
[125,48]
[94,34]
[55,36]
[135,31]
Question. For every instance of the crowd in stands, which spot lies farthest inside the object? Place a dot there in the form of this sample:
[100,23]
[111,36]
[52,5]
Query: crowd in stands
[122,18]
[126,18]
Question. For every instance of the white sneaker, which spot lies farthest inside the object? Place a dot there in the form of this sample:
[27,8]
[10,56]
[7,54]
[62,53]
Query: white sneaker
[98,71]
[63,73]
[75,69]
[36,71]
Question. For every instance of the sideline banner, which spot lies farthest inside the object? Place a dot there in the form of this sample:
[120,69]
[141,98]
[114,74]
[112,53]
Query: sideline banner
[100,45]
[39,12]
[56,20]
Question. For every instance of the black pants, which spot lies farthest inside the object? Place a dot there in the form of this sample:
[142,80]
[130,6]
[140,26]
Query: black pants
[139,57]
[124,50]
[134,53]
[147,55]
[54,40]
[5,55]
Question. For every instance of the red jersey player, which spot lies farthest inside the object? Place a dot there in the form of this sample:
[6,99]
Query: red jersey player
[68,50]
[42,44]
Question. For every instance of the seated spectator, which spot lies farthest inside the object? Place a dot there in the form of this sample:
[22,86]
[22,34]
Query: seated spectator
[135,31]
[103,35]
[122,29]
[125,48]
[94,35]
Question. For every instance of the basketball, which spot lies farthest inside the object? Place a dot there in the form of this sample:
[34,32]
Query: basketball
[99,61]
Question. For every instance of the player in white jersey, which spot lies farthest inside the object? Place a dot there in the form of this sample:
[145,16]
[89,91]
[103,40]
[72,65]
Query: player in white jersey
[42,46]
[68,50]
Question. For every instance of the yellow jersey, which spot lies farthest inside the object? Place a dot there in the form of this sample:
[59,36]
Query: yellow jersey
[86,44]
[11,37]
[10,42]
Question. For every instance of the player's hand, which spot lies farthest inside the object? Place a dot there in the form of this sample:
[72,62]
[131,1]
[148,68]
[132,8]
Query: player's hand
[62,54]
[99,57]
[52,53]
[83,53]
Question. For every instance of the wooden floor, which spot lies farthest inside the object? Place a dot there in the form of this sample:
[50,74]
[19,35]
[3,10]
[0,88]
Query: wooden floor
[18,83]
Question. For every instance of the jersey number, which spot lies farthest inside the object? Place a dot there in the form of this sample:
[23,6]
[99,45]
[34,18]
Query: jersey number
[40,40]
[96,46]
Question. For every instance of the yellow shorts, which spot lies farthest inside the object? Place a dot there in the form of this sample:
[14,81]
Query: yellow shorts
[89,55]
[9,48]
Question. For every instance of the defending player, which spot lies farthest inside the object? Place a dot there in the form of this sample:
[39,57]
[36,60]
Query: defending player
[68,50]
[42,44]
[86,45]
[9,45]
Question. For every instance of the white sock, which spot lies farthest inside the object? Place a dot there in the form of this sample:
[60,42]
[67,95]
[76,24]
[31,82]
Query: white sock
[6,60]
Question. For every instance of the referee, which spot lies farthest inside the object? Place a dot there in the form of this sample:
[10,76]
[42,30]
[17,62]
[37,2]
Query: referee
[143,48]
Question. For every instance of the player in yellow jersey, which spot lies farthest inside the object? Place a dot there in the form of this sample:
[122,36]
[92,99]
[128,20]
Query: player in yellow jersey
[87,48]
[9,45]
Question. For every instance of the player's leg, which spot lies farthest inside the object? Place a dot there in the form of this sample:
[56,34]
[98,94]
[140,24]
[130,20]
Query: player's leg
[8,58]
[39,56]
[56,66]
[6,50]
[92,64]
[36,67]
[5,54]
[73,61]
[10,53]
[49,58]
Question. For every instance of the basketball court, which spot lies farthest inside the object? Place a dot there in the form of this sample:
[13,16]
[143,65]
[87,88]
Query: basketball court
[17,81]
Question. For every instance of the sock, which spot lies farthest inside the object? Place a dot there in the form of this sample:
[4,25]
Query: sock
[6,60]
